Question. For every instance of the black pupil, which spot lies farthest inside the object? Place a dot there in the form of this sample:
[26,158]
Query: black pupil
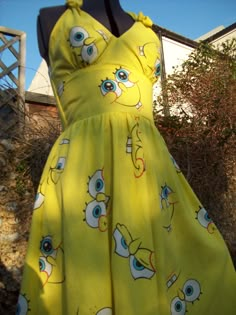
[97,210]
[178,306]
[109,86]
[47,246]
[98,185]
[40,265]
[122,75]
[189,290]
[78,36]
[138,264]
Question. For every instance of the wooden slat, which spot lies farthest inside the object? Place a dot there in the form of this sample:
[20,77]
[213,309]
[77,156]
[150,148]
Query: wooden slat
[14,103]
[9,44]
[6,69]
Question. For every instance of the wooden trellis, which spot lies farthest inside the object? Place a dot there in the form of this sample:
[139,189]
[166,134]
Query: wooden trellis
[12,78]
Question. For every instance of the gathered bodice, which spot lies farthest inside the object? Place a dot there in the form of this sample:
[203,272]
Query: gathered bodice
[94,72]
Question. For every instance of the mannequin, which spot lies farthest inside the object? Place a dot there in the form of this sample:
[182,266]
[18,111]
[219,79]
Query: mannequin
[107,12]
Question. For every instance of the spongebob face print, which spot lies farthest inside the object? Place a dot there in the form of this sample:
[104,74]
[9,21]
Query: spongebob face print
[87,43]
[205,221]
[22,305]
[59,163]
[50,261]
[189,293]
[167,204]
[135,148]
[96,210]
[152,60]
[121,88]
[79,38]
[141,260]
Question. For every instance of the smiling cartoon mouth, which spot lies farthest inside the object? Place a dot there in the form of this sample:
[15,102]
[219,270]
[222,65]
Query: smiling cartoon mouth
[169,226]
[138,105]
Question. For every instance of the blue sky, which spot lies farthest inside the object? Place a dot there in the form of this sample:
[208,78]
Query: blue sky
[188,18]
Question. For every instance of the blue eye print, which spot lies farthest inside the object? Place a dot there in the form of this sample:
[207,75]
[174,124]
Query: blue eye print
[97,211]
[165,192]
[189,290]
[90,50]
[18,309]
[137,265]
[46,246]
[108,86]
[122,75]
[123,243]
[59,166]
[79,36]
[206,217]
[42,265]
[158,70]
[99,185]
[178,306]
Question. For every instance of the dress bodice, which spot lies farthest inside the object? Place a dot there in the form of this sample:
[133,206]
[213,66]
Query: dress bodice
[92,71]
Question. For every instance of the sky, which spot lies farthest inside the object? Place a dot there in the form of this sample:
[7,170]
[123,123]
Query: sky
[189,18]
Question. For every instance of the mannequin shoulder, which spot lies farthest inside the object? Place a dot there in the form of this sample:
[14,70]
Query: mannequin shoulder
[46,21]
[49,16]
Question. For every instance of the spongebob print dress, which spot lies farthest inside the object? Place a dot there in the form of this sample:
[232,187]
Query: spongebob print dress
[116,229]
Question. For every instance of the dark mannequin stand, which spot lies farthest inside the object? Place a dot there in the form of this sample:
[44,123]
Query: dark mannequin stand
[108,12]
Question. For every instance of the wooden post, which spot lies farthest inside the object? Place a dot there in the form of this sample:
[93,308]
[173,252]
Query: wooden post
[7,70]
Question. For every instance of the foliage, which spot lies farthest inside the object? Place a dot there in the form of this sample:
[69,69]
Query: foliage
[200,130]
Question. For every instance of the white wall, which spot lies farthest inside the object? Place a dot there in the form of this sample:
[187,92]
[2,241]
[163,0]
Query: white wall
[225,37]
[175,54]
[41,82]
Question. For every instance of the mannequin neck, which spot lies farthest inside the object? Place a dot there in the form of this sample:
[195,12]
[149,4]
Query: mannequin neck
[101,5]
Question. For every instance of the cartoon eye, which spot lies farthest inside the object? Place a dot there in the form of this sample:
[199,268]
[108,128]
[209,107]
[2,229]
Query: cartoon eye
[138,270]
[89,53]
[157,68]
[105,311]
[46,247]
[110,86]
[203,217]
[122,76]
[175,164]
[60,163]
[39,199]
[78,36]
[191,290]
[22,305]
[96,184]
[93,212]
[121,247]
[44,266]
[166,190]
[178,307]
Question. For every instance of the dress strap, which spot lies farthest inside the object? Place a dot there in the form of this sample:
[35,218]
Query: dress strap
[142,18]
[74,3]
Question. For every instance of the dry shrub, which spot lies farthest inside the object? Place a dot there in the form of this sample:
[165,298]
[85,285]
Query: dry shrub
[35,142]
[200,130]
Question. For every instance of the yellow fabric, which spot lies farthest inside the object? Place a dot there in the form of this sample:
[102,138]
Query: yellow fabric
[116,228]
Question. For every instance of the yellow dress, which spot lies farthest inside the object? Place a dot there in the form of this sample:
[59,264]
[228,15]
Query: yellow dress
[116,229]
